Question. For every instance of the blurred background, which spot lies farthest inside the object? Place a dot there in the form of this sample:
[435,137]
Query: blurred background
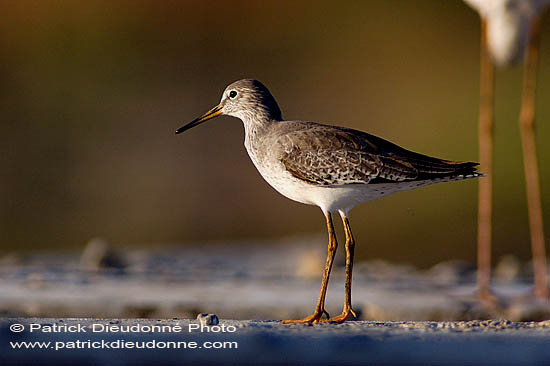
[92,92]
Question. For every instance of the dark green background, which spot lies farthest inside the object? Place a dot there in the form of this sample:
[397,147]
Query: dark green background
[91,93]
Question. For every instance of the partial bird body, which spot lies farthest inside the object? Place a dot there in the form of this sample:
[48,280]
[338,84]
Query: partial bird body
[338,168]
[508,25]
[510,31]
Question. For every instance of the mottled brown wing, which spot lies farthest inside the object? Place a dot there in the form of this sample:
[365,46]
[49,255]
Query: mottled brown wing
[334,157]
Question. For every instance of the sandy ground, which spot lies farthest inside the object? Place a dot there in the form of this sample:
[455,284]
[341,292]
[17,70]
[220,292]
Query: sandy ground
[407,316]
[270,342]
[243,281]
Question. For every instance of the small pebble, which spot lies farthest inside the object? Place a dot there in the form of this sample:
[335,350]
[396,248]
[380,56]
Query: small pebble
[208,319]
[99,255]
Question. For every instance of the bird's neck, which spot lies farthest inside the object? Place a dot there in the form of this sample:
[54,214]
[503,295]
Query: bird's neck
[255,130]
[256,125]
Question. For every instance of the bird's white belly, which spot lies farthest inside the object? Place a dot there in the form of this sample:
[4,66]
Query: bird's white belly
[329,199]
[333,198]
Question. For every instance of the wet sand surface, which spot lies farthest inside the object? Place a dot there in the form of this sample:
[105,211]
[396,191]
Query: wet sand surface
[242,281]
[247,342]
[407,316]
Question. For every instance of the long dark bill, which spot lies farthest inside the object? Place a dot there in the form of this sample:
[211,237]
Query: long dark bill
[216,111]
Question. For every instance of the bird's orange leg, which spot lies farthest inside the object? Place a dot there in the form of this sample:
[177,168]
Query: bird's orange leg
[347,312]
[320,307]
[527,128]
[485,203]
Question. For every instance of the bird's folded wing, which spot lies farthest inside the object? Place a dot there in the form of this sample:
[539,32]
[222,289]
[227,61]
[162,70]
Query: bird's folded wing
[335,158]
[339,156]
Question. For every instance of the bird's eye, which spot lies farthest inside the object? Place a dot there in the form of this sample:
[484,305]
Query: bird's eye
[232,94]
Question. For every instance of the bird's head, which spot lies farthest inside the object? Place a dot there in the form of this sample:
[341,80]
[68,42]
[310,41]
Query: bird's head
[246,99]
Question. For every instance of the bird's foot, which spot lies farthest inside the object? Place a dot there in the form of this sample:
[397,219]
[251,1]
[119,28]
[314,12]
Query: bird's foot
[347,314]
[313,318]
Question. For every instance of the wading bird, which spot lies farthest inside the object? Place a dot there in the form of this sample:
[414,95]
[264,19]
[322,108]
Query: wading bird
[510,30]
[332,167]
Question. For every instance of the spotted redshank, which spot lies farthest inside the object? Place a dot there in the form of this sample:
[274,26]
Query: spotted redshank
[332,167]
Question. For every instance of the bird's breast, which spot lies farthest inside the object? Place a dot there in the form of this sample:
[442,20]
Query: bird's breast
[265,158]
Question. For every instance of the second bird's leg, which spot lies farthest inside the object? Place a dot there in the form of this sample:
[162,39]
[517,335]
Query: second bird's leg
[485,204]
[320,307]
[347,312]
[530,164]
